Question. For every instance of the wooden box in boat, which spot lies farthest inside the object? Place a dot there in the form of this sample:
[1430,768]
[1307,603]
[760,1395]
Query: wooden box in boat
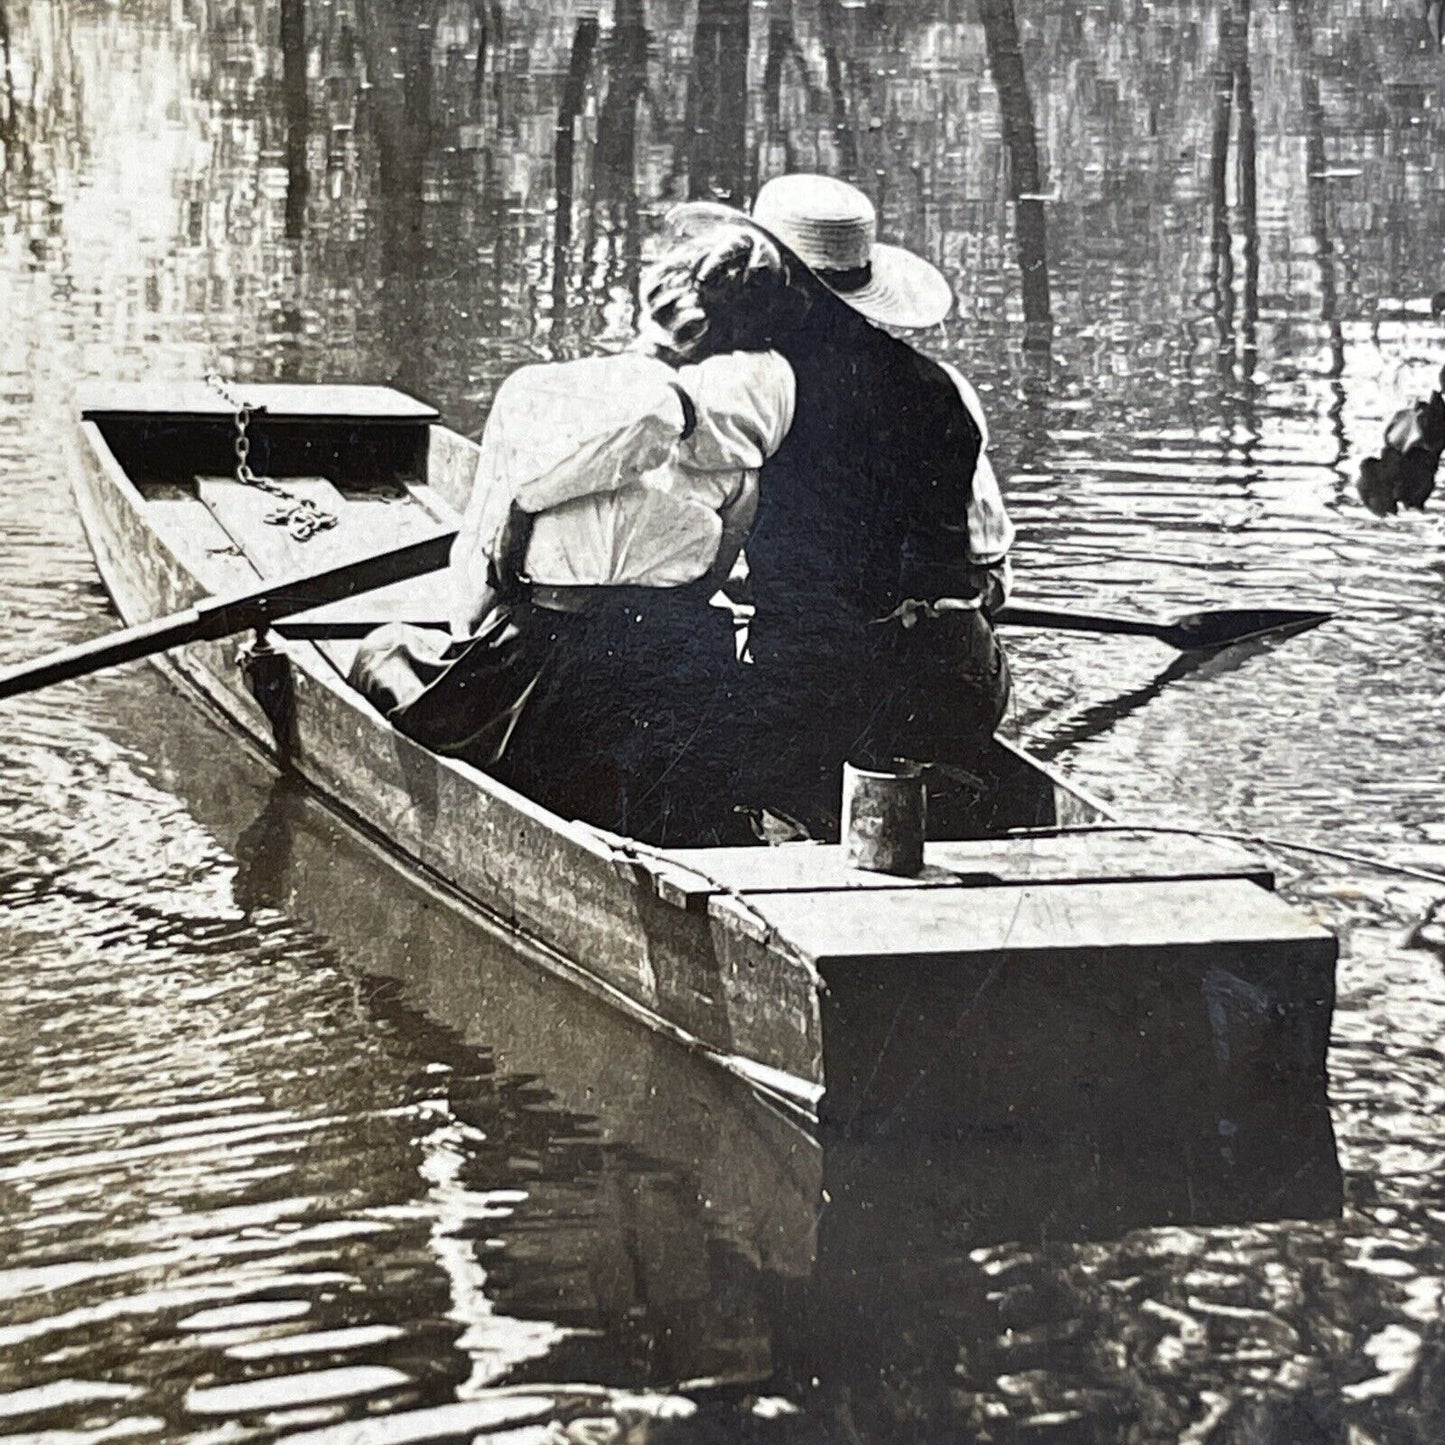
[1113,959]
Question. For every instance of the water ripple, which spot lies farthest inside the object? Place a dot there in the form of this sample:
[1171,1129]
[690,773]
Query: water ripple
[249,1190]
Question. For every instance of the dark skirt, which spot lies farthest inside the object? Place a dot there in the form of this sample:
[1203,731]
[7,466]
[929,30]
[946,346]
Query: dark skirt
[635,716]
[620,715]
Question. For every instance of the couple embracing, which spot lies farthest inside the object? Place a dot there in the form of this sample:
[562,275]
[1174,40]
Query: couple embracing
[768,450]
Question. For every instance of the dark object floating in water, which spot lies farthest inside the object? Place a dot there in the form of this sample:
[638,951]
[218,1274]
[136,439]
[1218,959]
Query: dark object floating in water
[1403,475]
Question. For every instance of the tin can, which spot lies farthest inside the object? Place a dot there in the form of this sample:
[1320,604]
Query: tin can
[885,814]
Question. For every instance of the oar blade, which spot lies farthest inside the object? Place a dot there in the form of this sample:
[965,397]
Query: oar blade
[1224,626]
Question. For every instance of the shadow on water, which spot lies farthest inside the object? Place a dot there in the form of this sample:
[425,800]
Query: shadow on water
[1068,731]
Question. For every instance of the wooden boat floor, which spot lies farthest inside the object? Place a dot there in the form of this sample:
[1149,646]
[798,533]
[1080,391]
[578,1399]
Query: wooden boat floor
[365,522]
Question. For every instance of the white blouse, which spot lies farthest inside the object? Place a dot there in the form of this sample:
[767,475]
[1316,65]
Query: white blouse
[594,449]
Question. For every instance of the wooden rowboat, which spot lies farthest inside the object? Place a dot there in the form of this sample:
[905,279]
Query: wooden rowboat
[841,995]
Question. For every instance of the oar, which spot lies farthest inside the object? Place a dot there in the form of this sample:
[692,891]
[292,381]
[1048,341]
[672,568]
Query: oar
[1192,632]
[218,617]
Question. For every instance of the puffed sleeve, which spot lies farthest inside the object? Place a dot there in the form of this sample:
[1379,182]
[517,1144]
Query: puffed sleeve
[744,402]
[558,432]
[578,428]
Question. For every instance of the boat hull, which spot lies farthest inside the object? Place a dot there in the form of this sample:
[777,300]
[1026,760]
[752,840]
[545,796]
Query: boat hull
[935,1028]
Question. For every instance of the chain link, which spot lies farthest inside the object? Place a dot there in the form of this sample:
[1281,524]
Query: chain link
[301,517]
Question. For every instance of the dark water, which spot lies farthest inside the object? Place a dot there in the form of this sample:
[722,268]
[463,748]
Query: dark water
[249,1184]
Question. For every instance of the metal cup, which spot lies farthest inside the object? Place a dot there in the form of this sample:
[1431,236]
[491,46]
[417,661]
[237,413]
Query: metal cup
[884,818]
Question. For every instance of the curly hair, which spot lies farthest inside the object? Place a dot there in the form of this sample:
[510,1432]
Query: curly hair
[731,289]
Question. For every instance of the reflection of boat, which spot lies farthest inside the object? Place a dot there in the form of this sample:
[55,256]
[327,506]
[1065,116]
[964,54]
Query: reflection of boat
[676,1207]
[1115,960]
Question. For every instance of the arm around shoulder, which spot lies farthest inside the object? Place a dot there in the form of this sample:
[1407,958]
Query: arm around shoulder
[745,401]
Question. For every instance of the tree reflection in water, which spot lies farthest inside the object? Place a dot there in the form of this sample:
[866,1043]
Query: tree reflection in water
[294,86]
[1026,178]
[9,118]
[717,102]
[626,102]
[569,111]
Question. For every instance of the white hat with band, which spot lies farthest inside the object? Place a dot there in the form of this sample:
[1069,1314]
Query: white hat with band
[832,228]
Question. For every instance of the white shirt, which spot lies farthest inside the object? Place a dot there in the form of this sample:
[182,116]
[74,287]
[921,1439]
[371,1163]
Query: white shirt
[594,449]
[990,532]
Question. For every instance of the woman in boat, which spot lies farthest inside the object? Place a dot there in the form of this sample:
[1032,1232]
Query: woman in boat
[880,543]
[586,665]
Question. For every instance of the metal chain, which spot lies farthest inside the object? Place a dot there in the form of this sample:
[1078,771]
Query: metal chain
[301,517]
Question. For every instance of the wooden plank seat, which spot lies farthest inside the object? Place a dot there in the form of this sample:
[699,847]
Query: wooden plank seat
[1185,1019]
[1202,917]
[690,877]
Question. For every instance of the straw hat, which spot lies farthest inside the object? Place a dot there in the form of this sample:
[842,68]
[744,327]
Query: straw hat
[832,228]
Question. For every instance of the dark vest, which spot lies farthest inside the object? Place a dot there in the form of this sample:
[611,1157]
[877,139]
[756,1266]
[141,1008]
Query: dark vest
[866,501]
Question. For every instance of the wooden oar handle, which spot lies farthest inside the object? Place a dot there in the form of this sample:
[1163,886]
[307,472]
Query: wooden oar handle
[1059,620]
[109,650]
[218,617]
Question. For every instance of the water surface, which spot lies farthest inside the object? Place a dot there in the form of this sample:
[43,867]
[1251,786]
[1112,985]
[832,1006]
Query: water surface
[283,1145]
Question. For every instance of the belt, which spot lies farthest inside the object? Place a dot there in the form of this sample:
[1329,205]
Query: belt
[581,597]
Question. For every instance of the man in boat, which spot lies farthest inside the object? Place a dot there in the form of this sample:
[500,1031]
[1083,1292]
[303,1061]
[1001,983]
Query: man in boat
[586,665]
[880,545]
